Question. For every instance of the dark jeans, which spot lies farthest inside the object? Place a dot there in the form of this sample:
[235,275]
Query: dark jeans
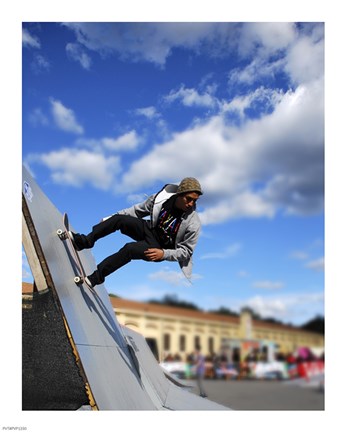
[138,229]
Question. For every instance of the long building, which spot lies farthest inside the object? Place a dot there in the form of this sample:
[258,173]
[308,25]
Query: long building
[178,331]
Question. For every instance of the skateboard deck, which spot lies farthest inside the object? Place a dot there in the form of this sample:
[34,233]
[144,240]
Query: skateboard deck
[64,235]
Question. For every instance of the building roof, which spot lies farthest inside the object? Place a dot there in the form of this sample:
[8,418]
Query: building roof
[27,288]
[119,303]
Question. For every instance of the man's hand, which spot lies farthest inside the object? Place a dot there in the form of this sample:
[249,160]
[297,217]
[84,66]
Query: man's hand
[153,254]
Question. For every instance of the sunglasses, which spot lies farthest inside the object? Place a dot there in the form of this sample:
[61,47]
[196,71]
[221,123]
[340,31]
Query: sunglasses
[189,199]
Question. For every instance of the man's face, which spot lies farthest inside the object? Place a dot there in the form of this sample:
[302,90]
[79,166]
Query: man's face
[185,202]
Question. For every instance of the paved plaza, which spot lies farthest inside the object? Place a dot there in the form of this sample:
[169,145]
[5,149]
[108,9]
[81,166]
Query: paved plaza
[265,395]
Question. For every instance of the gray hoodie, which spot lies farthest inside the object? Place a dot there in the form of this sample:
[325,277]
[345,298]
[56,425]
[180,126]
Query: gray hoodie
[187,234]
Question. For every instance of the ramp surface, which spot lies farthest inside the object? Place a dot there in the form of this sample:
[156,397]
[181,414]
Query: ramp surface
[170,395]
[117,364]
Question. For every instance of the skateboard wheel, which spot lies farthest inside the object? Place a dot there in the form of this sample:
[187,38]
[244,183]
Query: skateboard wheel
[61,234]
[78,280]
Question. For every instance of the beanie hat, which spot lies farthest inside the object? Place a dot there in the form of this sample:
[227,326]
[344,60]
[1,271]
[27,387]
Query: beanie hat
[189,184]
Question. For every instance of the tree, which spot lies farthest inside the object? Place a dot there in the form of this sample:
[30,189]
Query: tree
[224,311]
[172,300]
[315,325]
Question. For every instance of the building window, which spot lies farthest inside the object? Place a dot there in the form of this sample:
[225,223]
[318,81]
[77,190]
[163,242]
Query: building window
[182,343]
[166,342]
[211,345]
[197,342]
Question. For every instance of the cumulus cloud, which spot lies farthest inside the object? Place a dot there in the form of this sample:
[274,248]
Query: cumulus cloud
[272,163]
[313,264]
[168,276]
[79,167]
[305,60]
[76,52]
[152,42]
[149,112]
[317,265]
[172,277]
[287,307]
[268,38]
[29,40]
[129,141]
[65,118]
[40,64]
[191,97]
[296,308]
[267,284]
[263,99]
[228,252]
[264,165]
[299,255]
[38,118]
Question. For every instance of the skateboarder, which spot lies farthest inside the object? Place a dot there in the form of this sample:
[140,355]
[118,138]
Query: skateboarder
[171,233]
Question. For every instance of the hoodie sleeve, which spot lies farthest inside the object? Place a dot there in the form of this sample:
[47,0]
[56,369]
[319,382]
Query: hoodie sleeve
[139,211]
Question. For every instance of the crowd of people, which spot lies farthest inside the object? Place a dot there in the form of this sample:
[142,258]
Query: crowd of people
[256,364]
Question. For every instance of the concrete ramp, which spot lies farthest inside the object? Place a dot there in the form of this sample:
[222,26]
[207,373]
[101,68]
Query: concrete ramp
[115,364]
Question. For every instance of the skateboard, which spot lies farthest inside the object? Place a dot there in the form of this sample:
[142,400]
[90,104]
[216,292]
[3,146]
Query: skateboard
[64,235]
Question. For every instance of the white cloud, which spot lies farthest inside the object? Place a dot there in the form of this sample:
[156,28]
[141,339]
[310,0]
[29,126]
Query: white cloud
[313,264]
[267,284]
[293,308]
[271,47]
[246,204]
[300,255]
[65,118]
[79,167]
[77,53]
[268,38]
[261,97]
[265,46]
[38,118]
[128,141]
[39,64]
[267,164]
[149,112]
[153,42]
[265,307]
[228,252]
[172,277]
[29,40]
[317,264]
[191,97]
[274,48]
[305,60]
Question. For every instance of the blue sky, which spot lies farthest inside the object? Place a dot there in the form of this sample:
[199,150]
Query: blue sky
[113,111]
